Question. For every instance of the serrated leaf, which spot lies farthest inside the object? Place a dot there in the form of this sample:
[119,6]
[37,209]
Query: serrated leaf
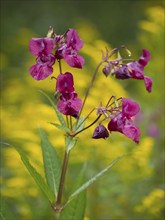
[93,179]
[70,143]
[59,115]
[62,128]
[51,162]
[36,176]
[76,208]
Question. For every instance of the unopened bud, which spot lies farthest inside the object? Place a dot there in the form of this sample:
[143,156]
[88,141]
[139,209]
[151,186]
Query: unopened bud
[107,69]
[50,32]
[100,132]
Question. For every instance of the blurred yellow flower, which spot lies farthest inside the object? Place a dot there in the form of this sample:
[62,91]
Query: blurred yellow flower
[152,203]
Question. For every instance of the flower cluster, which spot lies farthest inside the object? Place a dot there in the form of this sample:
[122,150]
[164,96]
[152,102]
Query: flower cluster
[120,120]
[132,70]
[69,103]
[120,112]
[68,47]
[57,47]
[53,48]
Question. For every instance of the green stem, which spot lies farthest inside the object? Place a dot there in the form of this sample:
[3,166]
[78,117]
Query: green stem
[58,205]
[57,216]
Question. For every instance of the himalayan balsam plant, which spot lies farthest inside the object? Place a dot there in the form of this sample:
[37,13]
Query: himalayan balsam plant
[117,113]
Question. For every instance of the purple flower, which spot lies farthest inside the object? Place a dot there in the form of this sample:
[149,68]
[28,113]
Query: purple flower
[42,48]
[43,68]
[41,45]
[122,121]
[129,107]
[65,83]
[73,59]
[100,132]
[68,49]
[73,40]
[69,104]
[135,70]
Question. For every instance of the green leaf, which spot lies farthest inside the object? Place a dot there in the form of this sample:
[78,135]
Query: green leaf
[6,210]
[75,210]
[51,162]
[59,115]
[36,176]
[62,128]
[70,143]
[93,179]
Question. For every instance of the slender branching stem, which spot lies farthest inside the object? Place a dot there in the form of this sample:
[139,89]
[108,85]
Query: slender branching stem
[90,86]
[73,135]
[85,118]
[67,121]
[60,67]
[70,122]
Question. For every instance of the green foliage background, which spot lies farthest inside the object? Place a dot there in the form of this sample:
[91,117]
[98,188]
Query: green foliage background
[134,188]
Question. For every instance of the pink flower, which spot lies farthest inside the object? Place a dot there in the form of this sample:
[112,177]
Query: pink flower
[41,45]
[73,41]
[69,104]
[42,48]
[122,121]
[135,70]
[65,83]
[68,50]
[129,107]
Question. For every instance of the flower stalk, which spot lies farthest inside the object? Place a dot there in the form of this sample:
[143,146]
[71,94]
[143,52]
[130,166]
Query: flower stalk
[90,86]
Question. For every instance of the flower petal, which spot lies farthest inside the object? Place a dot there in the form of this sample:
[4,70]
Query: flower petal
[38,45]
[129,107]
[49,45]
[145,57]
[73,40]
[132,132]
[74,60]
[40,72]
[148,83]
[65,83]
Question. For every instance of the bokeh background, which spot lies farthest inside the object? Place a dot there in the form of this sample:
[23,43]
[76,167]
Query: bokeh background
[134,188]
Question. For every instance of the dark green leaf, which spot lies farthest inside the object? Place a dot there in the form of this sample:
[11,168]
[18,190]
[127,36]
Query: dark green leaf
[36,176]
[51,162]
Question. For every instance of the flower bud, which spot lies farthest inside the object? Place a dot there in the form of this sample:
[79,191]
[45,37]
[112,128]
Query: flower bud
[100,132]
[50,32]
[107,69]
